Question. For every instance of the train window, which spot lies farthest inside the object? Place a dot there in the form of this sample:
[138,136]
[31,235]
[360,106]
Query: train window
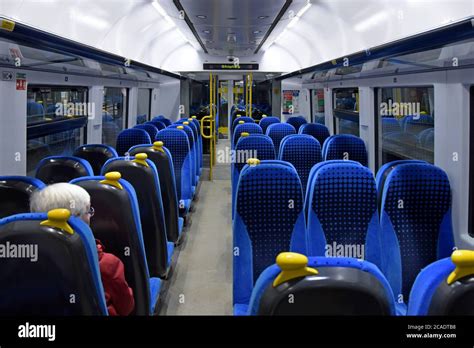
[317,105]
[56,120]
[471,163]
[346,111]
[114,113]
[144,105]
[406,123]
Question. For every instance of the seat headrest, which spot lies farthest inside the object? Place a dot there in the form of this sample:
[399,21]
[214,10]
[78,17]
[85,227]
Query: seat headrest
[57,169]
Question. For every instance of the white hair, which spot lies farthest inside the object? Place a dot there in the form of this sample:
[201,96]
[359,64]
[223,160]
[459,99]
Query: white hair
[61,196]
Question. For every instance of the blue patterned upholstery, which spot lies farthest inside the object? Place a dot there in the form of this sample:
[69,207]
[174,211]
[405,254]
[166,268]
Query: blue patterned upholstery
[345,147]
[416,222]
[267,121]
[343,210]
[150,129]
[251,128]
[268,276]
[163,119]
[303,151]
[177,142]
[261,144]
[157,123]
[389,125]
[277,132]
[194,125]
[317,130]
[268,220]
[193,152]
[245,119]
[131,137]
[297,122]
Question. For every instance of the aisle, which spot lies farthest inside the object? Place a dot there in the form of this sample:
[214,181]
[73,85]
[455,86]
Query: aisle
[201,283]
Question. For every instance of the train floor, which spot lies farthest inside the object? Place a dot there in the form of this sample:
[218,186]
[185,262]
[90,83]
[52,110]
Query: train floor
[201,279]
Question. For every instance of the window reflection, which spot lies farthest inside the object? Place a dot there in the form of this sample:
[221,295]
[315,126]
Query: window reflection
[114,111]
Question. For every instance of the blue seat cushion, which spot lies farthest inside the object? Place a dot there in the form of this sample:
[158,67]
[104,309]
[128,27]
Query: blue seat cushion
[240,309]
[155,287]
[170,247]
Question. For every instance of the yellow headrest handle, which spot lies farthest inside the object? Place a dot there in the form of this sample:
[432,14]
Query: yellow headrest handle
[253,161]
[239,115]
[158,146]
[112,179]
[186,122]
[194,117]
[464,261]
[141,158]
[180,127]
[292,265]
[241,122]
[264,116]
[244,134]
[57,218]
[190,119]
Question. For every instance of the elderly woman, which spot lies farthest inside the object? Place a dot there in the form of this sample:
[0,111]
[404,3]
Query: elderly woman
[118,294]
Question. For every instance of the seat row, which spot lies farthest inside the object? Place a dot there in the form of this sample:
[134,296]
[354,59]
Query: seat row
[398,224]
[141,226]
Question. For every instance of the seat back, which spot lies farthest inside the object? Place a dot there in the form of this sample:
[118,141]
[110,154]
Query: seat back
[323,286]
[192,148]
[237,121]
[194,125]
[116,223]
[303,152]
[277,132]
[317,130]
[15,193]
[96,155]
[59,260]
[416,222]
[445,287]
[161,158]
[142,174]
[149,128]
[251,128]
[267,121]
[163,119]
[268,220]
[342,216]
[157,123]
[54,169]
[345,147]
[297,122]
[131,137]
[177,143]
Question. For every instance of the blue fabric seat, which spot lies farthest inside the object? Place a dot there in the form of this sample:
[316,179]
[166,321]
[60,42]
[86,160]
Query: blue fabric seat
[260,146]
[303,152]
[268,220]
[331,292]
[131,137]
[149,128]
[237,121]
[54,169]
[66,263]
[193,152]
[297,122]
[141,119]
[267,121]
[157,123]
[251,128]
[195,126]
[345,147]
[117,225]
[416,223]
[342,212]
[15,193]
[317,130]
[177,142]
[96,155]
[163,119]
[277,132]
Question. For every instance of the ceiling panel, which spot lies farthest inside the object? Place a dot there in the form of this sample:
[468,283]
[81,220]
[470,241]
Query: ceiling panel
[232,27]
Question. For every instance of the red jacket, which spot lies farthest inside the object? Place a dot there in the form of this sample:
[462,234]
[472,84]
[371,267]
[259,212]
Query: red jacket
[118,295]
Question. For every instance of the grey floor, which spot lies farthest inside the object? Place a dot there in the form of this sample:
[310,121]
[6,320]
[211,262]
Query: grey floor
[201,281]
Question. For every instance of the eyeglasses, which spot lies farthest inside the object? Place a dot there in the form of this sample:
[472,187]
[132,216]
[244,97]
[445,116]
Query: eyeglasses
[91,211]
